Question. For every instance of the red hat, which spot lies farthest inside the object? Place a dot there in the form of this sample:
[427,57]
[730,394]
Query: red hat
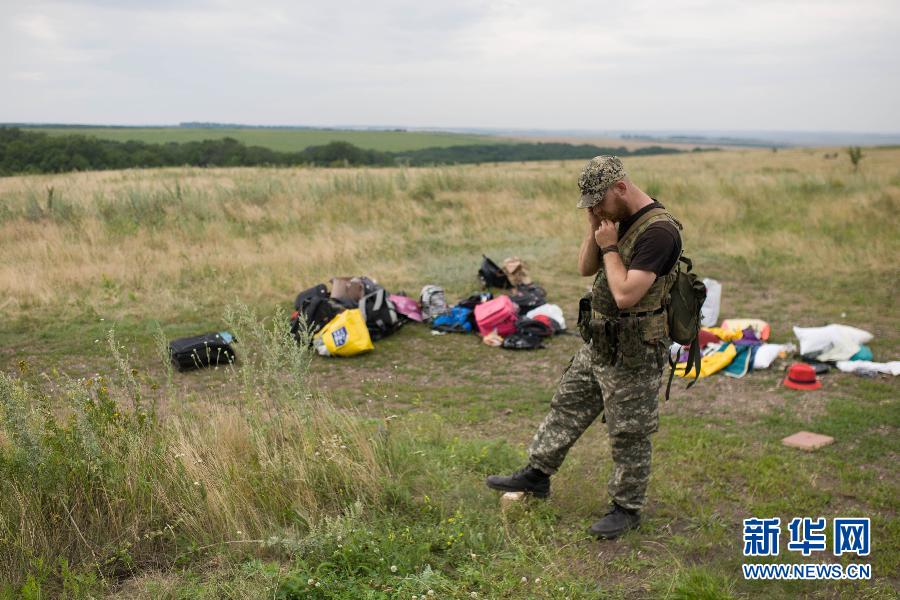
[801,376]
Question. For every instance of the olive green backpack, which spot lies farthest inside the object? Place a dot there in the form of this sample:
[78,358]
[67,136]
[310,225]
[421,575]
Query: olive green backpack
[684,303]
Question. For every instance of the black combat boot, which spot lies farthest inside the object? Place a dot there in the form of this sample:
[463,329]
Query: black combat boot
[616,522]
[528,480]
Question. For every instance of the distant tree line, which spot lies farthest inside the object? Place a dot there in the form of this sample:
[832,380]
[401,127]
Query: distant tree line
[517,152]
[34,152]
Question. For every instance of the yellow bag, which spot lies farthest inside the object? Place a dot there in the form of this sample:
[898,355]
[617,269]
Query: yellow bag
[711,363]
[346,334]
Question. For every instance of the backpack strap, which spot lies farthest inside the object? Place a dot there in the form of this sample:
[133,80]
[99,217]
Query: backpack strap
[693,364]
[379,300]
[636,226]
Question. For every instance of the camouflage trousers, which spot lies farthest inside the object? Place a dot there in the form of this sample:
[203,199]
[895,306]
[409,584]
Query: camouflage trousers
[629,399]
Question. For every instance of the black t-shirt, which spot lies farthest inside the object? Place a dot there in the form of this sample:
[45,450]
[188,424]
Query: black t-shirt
[657,249]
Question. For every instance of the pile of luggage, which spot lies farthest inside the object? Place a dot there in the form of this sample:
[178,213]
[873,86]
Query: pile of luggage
[347,317]
[348,314]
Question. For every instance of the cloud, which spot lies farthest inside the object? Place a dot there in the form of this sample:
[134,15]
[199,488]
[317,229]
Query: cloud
[644,63]
[37,27]
[28,76]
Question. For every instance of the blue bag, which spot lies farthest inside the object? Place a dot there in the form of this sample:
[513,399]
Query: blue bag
[457,321]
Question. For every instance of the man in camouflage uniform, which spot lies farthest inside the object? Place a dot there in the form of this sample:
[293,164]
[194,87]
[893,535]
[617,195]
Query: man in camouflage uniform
[632,246]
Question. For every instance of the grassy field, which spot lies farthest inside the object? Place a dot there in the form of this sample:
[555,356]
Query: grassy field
[292,140]
[293,476]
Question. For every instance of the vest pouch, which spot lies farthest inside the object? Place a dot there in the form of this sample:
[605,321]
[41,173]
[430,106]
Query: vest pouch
[584,317]
[640,340]
[603,341]
[632,350]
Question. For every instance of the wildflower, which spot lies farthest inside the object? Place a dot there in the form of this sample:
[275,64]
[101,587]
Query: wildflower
[197,483]
[431,592]
[538,580]
[473,595]
[310,581]
[318,584]
[524,580]
[393,568]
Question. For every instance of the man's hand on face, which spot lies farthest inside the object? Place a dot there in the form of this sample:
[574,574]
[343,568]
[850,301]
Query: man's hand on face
[606,234]
[593,219]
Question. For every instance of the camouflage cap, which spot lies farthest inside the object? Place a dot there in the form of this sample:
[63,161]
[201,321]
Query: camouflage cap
[598,175]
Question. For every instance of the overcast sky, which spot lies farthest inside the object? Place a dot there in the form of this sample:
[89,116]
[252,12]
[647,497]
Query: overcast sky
[640,64]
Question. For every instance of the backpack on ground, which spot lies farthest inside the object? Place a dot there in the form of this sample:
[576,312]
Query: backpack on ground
[529,297]
[523,341]
[499,313]
[434,302]
[457,321]
[380,314]
[491,275]
[209,349]
[539,327]
[683,314]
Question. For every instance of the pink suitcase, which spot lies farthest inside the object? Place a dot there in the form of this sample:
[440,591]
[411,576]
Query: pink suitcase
[499,313]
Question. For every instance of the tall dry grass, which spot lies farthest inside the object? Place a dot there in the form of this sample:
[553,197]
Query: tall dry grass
[172,238]
[94,479]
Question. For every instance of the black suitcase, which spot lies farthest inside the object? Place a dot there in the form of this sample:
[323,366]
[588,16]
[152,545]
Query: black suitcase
[209,349]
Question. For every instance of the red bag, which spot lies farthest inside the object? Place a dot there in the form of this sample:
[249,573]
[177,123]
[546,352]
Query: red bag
[499,313]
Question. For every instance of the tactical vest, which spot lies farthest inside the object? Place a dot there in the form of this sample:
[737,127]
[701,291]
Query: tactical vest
[622,336]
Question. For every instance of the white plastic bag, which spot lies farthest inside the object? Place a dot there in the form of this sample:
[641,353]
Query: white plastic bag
[549,310]
[815,340]
[767,353]
[710,312]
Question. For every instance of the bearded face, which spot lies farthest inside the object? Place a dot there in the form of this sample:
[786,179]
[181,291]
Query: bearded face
[612,207]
